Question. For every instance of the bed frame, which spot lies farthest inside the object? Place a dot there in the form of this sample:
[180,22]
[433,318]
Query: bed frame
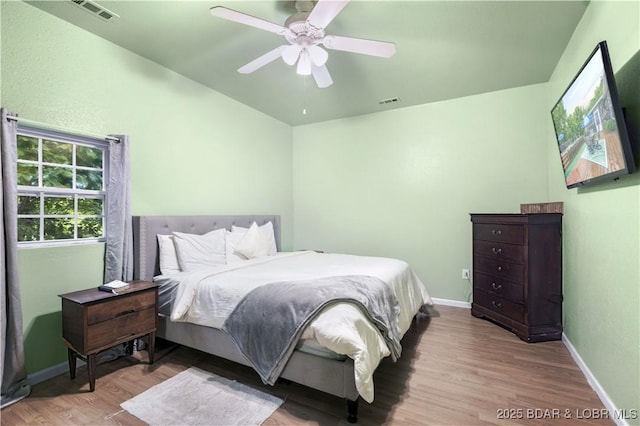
[335,377]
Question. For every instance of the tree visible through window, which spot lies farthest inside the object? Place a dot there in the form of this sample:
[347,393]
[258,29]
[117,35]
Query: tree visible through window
[61,188]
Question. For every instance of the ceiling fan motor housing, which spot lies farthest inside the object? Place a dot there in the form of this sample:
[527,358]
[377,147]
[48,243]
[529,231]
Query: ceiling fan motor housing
[301,32]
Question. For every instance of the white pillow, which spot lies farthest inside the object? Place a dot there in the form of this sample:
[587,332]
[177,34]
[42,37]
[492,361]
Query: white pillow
[254,243]
[231,241]
[267,231]
[200,251]
[167,253]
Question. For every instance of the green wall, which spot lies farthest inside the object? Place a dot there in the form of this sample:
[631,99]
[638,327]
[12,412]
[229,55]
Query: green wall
[193,150]
[399,183]
[601,227]
[402,183]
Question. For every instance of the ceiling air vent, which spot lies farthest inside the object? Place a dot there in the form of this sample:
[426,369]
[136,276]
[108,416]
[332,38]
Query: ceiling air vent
[389,101]
[95,9]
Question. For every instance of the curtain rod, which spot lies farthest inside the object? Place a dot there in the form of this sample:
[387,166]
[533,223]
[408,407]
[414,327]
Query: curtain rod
[61,129]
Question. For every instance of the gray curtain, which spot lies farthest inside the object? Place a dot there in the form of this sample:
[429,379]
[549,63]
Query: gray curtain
[118,263]
[12,364]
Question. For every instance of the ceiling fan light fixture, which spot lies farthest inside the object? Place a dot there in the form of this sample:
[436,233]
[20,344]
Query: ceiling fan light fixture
[290,54]
[318,55]
[304,63]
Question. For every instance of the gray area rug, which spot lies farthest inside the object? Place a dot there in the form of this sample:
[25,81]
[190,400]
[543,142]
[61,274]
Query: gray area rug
[197,397]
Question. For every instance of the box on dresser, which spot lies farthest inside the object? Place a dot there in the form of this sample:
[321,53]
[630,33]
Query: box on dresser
[517,273]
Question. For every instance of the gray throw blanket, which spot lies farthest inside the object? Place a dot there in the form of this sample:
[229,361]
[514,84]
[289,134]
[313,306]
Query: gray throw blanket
[268,322]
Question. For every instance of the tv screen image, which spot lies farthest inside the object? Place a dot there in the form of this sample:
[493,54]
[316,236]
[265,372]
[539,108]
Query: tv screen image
[589,125]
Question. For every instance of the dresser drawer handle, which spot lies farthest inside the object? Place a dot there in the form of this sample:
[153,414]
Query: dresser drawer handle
[496,250]
[496,286]
[496,305]
[499,268]
[130,311]
[496,232]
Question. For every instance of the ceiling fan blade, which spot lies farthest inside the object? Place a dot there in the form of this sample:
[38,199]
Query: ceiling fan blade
[383,49]
[290,53]
[242,18]
[262,60]
[304,63]
[324,11]
[321,76]
[318,55]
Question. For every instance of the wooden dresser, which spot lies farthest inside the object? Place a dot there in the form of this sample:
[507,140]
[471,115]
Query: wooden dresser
[94,320]
[517,273]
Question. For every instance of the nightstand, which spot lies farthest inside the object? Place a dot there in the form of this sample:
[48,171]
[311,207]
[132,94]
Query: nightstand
[94,320]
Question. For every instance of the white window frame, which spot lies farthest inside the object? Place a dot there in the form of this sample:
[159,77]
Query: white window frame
[42,191]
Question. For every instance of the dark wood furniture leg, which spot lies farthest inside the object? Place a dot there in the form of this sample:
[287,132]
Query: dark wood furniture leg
[71,355]
[352,411]
[152,346]
[91,366]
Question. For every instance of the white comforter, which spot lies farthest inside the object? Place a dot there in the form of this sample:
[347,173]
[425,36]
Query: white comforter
[208,297]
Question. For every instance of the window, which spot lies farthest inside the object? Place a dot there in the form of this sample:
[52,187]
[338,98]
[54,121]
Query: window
[61,187]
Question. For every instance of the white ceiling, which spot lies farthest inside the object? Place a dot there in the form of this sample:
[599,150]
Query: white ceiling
[445,49]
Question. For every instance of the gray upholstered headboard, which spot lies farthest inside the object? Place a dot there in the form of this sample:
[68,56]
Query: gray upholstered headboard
[145,229]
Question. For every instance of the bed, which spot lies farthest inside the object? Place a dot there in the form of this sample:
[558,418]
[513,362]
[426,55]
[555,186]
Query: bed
[322,366]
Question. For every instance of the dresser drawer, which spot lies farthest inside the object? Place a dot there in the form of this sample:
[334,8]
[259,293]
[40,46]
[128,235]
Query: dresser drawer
[499,268]
[118,306]
[506,289]
[499,233]
[509,252]
[499,305]
[120,328]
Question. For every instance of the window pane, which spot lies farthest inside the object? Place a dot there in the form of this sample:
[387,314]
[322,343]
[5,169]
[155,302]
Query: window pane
[56,152]
[87,156]
[57,177]
[90,227]
[89,179]
[27,148]
[27,174]
[28,204]
[58,229]
[89,206]
[58,205]
[28,229]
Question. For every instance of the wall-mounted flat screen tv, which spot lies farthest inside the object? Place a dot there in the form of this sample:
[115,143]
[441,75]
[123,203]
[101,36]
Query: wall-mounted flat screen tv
[589,124]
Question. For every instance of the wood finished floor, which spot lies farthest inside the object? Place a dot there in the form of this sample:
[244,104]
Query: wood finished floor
[454,370]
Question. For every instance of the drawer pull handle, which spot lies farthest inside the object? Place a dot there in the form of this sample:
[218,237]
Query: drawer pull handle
[130,311]
[499,268]
[496,250]
[496,232]
[496,305]
[496,286]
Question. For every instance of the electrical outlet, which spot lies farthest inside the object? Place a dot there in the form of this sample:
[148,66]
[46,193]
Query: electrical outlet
[465,274]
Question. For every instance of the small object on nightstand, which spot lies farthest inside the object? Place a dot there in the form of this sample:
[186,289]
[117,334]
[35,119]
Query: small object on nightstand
[94,320]
[113,286]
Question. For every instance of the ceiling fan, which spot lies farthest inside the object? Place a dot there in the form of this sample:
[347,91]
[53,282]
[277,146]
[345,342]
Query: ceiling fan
[305,31]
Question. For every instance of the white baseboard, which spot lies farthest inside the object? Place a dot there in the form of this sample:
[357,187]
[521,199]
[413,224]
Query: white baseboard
[595,385]
[454,303]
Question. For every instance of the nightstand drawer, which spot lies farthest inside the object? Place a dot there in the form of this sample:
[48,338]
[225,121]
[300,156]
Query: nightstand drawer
[500,287]
[509,252]
[118,306]
[498,232]
[499,268]
[120,329]
[497,304]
